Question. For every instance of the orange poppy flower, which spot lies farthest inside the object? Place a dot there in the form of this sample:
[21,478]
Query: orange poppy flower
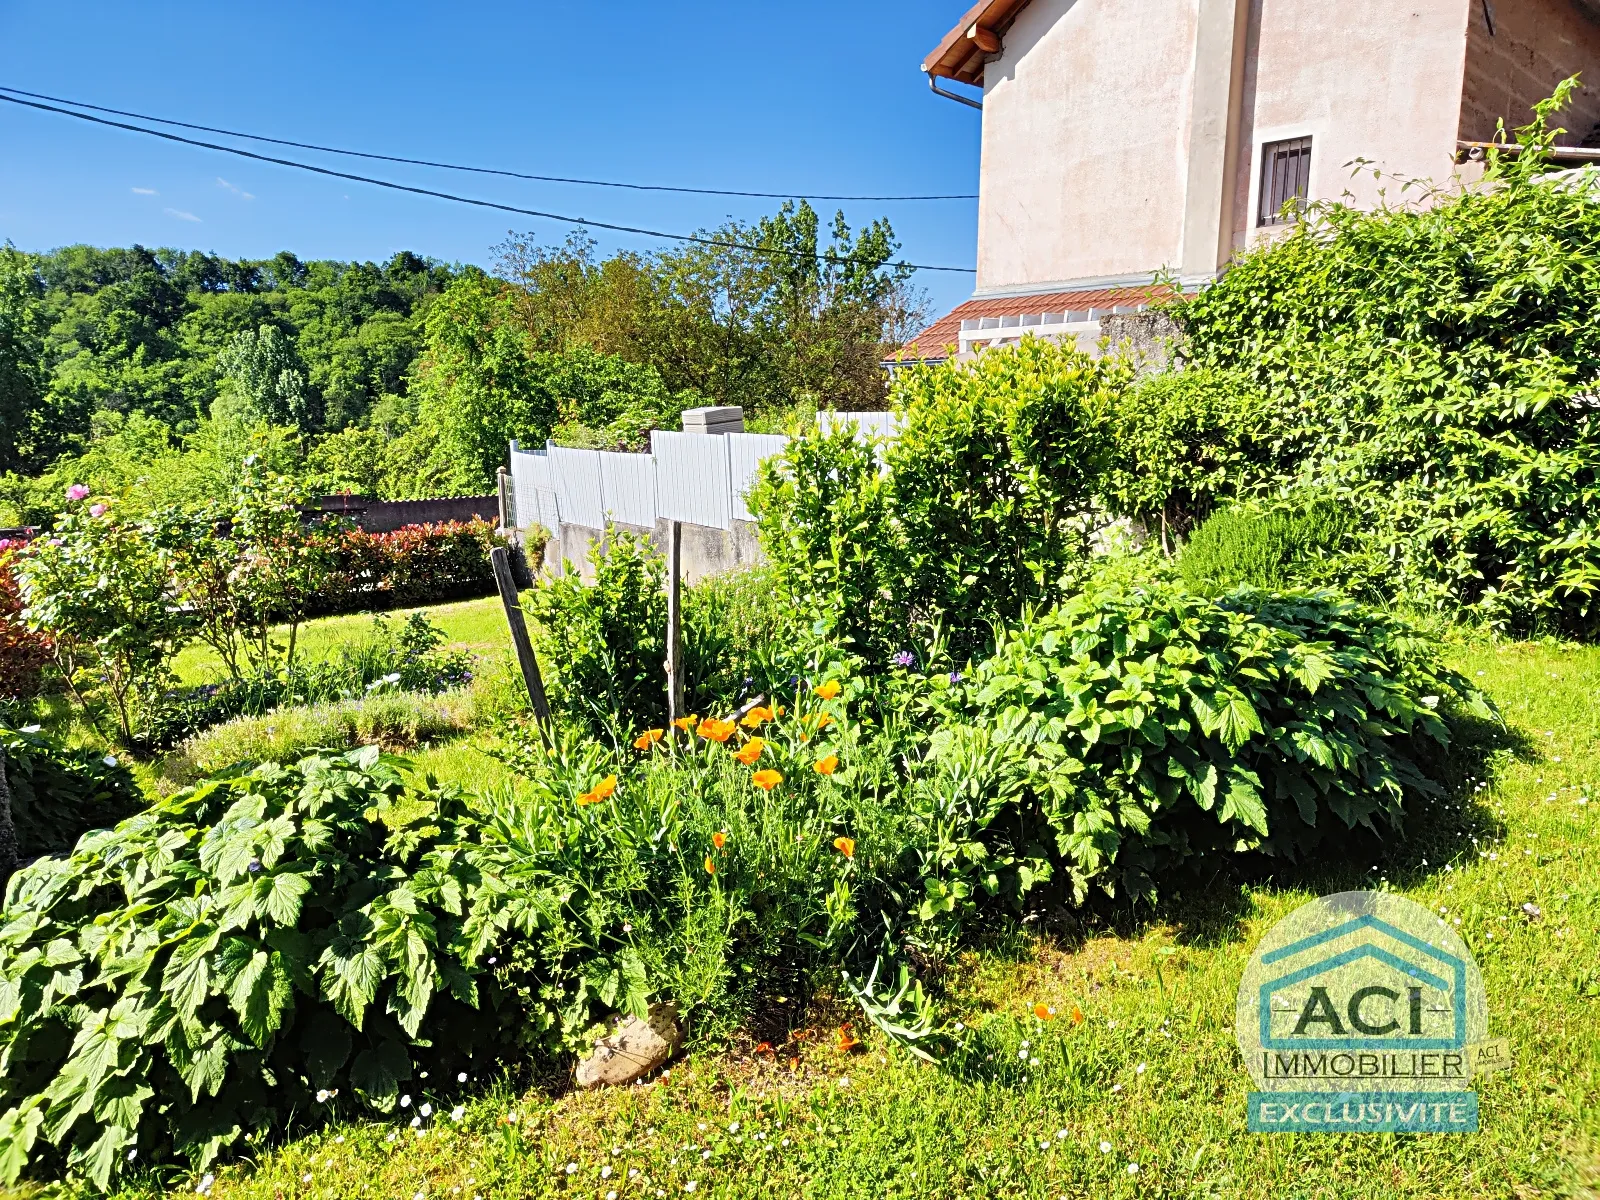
[826,766]
[847,1043]
[686,723]
[756,716]
[1077,1015]
[845,846]
[766,780]
[648,738]
[719,839]
[605,787]
[711,867]
[827,690]
[763,1048]
[751,751]
[824,720]
[714,730]
[1044,1012]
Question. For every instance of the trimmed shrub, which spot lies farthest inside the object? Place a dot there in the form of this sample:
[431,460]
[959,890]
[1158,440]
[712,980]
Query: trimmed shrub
[1273,550]
[1146,726]
[23,653]
[419,564]
[57,795]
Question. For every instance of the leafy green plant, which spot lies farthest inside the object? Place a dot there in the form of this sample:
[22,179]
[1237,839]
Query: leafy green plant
[58,794]
[1148,726]
[101,588]
[604,645]
[234,956]
[1183,440]
[984,498]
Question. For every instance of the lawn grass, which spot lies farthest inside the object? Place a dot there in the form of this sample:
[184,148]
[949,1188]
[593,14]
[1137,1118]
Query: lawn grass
[1144,1097]
[476,625]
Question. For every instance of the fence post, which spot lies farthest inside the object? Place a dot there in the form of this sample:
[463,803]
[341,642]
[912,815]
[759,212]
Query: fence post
[674,622]
[508,508]
[501,560]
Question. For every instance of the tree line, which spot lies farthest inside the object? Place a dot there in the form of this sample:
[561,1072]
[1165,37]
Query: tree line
[154,374]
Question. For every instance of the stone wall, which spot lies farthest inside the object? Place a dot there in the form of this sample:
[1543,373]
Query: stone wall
[1153,337]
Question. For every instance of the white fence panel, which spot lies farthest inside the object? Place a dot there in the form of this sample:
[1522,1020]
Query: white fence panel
[881,424]
[577,479]
[533,487]
[745,452]
[628,484]
[692,481]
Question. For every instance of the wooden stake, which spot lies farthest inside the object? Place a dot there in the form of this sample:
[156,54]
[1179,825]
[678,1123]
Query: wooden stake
[674,623]
[500,558]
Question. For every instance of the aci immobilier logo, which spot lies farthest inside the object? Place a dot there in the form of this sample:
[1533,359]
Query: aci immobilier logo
[1363,1013]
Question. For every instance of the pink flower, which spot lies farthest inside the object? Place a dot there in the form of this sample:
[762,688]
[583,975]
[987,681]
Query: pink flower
[97,510]
[77,491]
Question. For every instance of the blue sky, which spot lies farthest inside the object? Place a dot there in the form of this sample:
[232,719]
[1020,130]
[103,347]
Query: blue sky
[821,97]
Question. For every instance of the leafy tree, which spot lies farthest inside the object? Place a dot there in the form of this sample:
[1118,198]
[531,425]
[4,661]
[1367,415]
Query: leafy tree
[266,376]
[21,348]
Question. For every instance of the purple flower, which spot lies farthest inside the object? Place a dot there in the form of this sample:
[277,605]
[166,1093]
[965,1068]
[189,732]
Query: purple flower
[255,866]
[904,659]
[955,676]
[77,491]
[97,510]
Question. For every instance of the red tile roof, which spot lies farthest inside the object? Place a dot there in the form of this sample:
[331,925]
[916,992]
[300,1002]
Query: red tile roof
[933,343]
[962,53]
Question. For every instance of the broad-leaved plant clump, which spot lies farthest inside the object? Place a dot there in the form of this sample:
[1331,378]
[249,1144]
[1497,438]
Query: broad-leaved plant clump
[1147,726]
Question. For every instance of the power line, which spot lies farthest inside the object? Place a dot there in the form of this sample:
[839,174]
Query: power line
[694,239]
[423,162]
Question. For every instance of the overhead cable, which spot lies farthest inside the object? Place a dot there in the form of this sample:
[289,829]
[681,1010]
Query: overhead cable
[694,239]
[423,162]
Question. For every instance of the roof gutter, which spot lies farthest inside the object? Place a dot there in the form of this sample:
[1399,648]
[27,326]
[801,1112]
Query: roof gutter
[933,86]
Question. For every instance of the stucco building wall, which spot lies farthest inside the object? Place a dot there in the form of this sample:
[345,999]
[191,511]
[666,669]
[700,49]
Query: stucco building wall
[1365,79]
[1535,44]
[1085,130]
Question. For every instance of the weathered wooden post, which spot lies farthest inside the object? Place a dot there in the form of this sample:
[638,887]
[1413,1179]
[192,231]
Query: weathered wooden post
[500,558]
[674,622]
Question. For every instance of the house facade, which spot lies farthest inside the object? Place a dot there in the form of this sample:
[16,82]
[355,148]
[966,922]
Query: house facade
[1126,140]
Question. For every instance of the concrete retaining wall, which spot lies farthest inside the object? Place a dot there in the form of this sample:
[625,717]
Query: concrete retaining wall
[705,551]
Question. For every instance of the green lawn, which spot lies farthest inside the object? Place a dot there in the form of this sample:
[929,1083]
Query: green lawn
[474,624]
[1146,1097]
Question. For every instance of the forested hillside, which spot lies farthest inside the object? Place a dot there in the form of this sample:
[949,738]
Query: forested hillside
[153,374]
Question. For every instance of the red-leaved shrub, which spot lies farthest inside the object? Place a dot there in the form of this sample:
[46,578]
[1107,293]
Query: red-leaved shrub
[419,564]
[23,654]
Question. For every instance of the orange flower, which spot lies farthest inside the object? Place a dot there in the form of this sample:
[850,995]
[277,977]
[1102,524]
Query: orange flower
[751,751]
[826,766]
[714,730]
[711,867]
[1044,1012]
[756,716]
[605,787]
[827,690]
[648,738]
[686,723]
[766,780]
[845,846]
[823,720]
[719,839]
[1077,1015]
[846,1042]
[763,1048]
